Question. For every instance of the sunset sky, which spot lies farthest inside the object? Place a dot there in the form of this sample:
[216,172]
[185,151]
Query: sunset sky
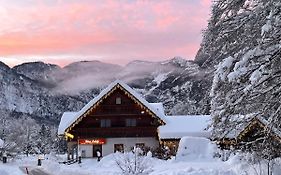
[116,31]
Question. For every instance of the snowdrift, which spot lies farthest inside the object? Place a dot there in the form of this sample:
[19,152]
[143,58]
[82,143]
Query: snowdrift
[196,149]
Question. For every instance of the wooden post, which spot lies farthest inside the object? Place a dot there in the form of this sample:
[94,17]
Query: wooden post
[26,170]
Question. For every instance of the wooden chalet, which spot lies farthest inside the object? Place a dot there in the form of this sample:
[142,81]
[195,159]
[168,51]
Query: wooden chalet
[251,135]
[116,120]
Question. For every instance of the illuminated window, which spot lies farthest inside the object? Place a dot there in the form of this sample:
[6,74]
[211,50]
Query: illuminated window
[131,122]
[118,100]
[105,123]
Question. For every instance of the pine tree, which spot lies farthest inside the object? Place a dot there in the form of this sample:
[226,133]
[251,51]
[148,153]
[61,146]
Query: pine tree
[45,140]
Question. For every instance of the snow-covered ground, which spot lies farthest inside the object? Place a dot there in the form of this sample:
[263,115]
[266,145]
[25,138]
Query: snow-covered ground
[195,157]
[108,166]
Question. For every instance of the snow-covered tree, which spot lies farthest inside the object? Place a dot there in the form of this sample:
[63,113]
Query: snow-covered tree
[236,26]
[244,37]
[45,140]
[28,128]
[18,134]
[25,135]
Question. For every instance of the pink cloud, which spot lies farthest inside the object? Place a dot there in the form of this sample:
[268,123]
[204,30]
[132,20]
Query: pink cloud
[103,29]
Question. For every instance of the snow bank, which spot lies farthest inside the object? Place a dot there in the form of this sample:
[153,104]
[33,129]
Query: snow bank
[195,149]
[9,170]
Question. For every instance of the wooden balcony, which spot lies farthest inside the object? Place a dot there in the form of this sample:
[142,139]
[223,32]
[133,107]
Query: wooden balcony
[116,132]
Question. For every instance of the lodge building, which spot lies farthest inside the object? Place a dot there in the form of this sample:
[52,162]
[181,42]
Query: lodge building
[119,119]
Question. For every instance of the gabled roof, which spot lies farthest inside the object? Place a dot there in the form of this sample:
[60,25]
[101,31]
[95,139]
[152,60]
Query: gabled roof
[276,131]
[158,107]
[65,121]
[262,122]
[247,121]
[185,125]
[74,117]
[242,122]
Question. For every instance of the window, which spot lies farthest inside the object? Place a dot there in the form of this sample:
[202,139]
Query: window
[119,148]
[118,101]
[131,122]
[83,153]
[140,145]
[105,123]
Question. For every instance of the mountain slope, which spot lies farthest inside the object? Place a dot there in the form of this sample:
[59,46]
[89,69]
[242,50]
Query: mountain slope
[45,91]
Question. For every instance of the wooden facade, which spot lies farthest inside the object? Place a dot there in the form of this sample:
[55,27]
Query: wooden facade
[252,137]
[116,115]
[116,119]
[257,135]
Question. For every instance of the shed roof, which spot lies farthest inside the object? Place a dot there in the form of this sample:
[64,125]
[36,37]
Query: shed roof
[185,125]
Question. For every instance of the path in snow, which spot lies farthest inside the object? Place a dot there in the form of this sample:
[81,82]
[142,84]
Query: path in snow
[33,171]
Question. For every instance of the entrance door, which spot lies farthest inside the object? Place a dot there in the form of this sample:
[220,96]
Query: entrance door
[97,148]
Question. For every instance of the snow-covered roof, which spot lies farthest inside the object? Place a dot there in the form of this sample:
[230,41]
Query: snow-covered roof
[245,120]
[71,118]
[65,121]
[242,121]
[276,131]
[158,107]
[185,125]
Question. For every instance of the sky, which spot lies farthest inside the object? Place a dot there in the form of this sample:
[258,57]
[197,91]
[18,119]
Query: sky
[114,31]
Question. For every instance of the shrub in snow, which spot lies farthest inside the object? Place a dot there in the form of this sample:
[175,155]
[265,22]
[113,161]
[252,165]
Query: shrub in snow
[224,154]
[149,154]
[251,163]
[134,162]
[162,153]
[195,148]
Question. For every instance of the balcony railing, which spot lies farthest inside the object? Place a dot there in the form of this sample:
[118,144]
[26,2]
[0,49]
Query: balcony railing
[116,132]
